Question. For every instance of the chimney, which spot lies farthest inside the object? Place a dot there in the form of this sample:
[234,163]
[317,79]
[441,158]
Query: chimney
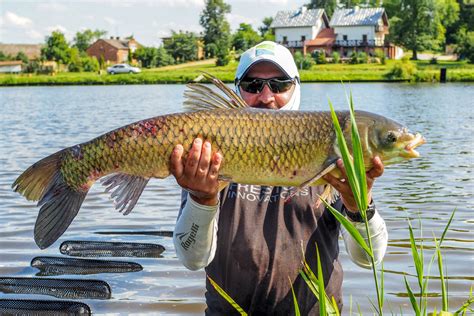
[117,38]
[111,37]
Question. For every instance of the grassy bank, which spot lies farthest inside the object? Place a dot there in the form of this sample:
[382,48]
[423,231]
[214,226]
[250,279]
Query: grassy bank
[423,72]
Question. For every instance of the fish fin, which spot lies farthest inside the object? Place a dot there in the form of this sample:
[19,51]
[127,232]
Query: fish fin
[201,97]
[222,185]
[59,202]
[34,181]
[319,175]
[125,190]
[329,195]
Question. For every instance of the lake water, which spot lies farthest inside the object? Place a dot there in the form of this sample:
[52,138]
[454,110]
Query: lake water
[38,121]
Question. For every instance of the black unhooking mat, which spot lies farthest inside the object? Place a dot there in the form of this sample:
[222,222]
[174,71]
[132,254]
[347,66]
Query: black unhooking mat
[40,307]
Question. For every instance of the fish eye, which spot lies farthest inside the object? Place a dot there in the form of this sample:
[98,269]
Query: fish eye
[391,137]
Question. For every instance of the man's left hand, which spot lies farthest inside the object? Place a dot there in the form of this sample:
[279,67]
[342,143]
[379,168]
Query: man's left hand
[342,185]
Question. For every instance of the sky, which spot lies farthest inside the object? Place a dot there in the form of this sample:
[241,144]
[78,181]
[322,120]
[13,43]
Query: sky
[29,21]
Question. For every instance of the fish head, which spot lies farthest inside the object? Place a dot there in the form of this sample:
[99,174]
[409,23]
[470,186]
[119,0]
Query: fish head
[386,138]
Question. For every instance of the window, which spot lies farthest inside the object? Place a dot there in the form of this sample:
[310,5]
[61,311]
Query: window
[364,38]
[303,38]
[285,39]
[344,37]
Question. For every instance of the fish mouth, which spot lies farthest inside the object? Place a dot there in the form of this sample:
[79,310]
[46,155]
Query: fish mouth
[409,150]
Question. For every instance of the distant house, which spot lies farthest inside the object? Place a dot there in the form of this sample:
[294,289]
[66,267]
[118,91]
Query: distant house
[294,28]
[32,51]
[113,50]
[11,66]
[362,29]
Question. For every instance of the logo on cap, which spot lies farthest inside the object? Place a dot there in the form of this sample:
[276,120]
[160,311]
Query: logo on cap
[265,48]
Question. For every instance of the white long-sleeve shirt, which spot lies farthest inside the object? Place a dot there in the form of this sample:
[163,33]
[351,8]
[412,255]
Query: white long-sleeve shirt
[195,236]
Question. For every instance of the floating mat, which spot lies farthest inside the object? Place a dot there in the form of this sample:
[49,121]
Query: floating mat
[110,249]
[60,265]
[162,233]
[60,288]
[37,307]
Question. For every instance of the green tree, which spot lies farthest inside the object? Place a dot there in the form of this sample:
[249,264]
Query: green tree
[163,58]
[465,47]
[56,48]
[267,33]
[447,16]
[329,6]
[216,27]
[182,46]
[22,56]
[415,27]
[245,37]
[84,39]
[75,62]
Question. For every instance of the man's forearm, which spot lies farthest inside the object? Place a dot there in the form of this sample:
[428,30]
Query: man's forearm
[195,234]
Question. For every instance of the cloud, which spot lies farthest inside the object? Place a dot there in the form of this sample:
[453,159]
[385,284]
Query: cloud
[57,27]
[13,19]
[52,6]
[33,34]
[236,19]
[110,20]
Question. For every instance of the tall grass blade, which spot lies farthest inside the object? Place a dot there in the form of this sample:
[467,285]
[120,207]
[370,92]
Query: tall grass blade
[466,305]
[351,174]
[227,297]
[350,228]
[295,301]
[444,293]
[446,228]
[322,303]
[334,305]
[416,256]
[359,165]
[413,302]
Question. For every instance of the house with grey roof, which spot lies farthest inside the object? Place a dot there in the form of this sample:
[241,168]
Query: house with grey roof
[361,29]
[294,28]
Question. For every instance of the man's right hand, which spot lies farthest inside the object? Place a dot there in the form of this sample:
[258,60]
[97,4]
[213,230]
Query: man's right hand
[198,172]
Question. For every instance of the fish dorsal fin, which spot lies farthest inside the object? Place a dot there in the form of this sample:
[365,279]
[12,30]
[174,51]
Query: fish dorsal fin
[201,97]
[125,190]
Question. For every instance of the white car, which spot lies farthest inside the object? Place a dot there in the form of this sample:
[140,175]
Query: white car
[122,69]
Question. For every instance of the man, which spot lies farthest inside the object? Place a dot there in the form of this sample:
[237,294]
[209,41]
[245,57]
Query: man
[249,238]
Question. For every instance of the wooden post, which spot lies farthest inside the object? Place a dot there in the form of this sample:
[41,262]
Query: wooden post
[442,75]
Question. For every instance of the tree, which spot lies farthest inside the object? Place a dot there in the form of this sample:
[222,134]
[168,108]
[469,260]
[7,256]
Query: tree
[245,37]
[153,57]
[415,27]
[328,5]
[182,46]
[216,27]
[56,48]
[447,16]
[267,33]
[84,39]
[22,56]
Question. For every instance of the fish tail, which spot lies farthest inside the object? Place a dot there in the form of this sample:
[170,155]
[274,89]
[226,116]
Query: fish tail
[59,202]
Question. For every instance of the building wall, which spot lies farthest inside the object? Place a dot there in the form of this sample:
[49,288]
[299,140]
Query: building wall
[10,69]
[293,33]
[356,32]
[102,48]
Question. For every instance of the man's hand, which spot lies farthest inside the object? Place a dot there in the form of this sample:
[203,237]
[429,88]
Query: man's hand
[342,185]
[198,174]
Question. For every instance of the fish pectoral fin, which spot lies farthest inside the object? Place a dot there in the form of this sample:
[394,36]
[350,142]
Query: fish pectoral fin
[124,189]
[319,175]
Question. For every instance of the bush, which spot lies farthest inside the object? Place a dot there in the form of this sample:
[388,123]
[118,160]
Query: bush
[380,54]
[403,69]
[358,58]
[433,60]
[90,64]
[336,58]
[303,62]
[465,48]
[319,57]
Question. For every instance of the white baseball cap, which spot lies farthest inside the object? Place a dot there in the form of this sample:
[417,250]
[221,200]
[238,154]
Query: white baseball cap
[267,51]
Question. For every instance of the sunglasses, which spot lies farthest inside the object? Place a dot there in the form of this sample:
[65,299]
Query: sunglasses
[276,85]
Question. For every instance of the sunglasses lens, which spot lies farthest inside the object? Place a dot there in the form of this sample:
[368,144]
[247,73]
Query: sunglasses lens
[275,85]
[280,86]
[254,86]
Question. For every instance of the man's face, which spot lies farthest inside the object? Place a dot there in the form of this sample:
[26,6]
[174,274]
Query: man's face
[266,99]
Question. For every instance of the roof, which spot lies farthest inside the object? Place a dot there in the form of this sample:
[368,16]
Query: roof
[10,63]
[358,16]
[32,51]
[119,44]
[325,38]
[298,18]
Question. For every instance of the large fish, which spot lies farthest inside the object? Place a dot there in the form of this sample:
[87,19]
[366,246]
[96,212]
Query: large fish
[263,147]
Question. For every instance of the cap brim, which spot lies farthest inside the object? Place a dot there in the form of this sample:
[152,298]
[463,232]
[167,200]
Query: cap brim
[260,61]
